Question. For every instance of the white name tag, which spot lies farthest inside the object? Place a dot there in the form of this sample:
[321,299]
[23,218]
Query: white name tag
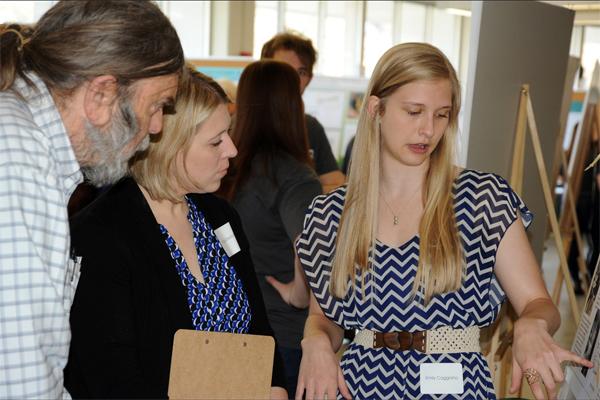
[441,378]
[227,239]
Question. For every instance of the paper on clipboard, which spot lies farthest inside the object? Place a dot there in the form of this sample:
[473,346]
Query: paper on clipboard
[216,365]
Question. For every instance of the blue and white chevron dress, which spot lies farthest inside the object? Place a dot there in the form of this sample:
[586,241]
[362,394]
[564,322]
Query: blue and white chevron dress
[485,207]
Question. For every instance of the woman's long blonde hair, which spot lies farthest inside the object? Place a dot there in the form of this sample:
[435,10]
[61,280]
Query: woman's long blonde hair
[441,258]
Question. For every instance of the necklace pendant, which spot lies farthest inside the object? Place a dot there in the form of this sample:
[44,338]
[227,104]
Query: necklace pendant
[395,220]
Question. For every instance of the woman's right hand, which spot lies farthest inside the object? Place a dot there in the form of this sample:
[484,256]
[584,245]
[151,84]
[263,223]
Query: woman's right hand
[295,293]
[320,373]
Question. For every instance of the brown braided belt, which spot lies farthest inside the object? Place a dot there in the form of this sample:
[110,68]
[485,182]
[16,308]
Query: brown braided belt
[435,341]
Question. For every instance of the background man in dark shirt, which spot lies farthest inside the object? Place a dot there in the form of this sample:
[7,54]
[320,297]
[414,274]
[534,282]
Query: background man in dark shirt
[299,52]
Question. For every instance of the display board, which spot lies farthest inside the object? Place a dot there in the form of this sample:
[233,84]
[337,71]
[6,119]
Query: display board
[581,382]
[584,383]
[229,68]
[336,103]
[515,43]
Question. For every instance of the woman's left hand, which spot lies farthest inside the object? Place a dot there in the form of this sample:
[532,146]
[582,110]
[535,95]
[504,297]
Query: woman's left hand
[538,357]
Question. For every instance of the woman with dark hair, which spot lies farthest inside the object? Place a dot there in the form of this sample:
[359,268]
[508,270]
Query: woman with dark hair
[271,184]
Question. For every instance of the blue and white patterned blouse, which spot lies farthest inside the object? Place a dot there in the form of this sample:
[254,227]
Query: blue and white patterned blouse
[220,303]
[485,207]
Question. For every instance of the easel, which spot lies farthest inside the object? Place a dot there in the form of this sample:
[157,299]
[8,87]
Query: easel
[589,123]
[572,69]
[502,337]
[527,117]
[570,215]
[560,162]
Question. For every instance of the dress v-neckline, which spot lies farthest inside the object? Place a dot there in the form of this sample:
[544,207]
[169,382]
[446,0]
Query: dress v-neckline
[184,262]
[415,236]
[400,246]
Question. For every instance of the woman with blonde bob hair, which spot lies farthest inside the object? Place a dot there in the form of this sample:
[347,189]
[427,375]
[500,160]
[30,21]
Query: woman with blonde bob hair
[161,253]
[417,255]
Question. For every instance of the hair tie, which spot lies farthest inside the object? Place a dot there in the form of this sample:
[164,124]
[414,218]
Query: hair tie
[22,39]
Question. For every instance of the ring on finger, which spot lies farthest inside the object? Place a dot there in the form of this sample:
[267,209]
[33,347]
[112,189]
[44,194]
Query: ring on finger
[532,376]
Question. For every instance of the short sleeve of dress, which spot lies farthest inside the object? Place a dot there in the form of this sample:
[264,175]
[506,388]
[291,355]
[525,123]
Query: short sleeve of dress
[316,247]
[515,207]
[486,207]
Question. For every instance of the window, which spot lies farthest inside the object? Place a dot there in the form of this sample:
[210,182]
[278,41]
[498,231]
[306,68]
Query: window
[393,22]
[191,19]
[24,12]
[378,32]
[445,34]
[302,16]
[339,44]
[590,54]
[265,16]
[335,27]
[412,22]
[576,41]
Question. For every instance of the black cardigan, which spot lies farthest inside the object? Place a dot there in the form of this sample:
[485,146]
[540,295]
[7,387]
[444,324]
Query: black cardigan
[130,301]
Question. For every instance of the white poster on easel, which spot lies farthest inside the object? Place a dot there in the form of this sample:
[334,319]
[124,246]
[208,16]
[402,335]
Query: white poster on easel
[591,97]
[581,382]
[584,383]
[335,103]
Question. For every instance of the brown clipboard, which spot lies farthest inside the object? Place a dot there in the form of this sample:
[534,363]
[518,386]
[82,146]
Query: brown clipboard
[216,365]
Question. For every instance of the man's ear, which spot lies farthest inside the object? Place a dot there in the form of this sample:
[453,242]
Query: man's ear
[100,95]
[373,103]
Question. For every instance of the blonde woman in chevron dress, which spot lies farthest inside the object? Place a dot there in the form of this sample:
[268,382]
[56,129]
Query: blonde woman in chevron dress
[417,255]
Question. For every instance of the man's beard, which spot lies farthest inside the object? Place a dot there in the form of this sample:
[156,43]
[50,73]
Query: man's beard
[107,147]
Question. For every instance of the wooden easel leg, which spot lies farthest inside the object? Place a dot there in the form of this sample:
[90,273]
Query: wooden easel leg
[500,350]
[516,175]
[593,126]
[505,366]
[577,230]
[537,149]
[556,289]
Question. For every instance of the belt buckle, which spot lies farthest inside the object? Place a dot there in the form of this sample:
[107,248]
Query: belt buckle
[402,341]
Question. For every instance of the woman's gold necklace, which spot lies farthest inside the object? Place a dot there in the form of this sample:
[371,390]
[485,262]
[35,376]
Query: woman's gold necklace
[396,218]
[390,208]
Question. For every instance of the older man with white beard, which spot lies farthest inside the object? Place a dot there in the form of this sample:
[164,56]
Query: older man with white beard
[79,94]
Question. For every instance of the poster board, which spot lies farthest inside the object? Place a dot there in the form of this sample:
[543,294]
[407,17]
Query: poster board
[217,365]
[515,43]
[581,382]
[336,103]
[584,383]
[592,97]
[572,68]
[229,68]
